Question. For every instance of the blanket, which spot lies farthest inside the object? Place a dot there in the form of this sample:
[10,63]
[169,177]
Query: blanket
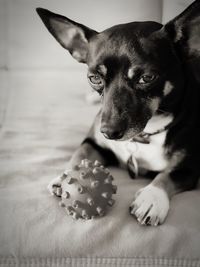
[43,118]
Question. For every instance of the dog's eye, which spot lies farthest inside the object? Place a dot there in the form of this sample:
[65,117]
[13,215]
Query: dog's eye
[146,79]
[95,79]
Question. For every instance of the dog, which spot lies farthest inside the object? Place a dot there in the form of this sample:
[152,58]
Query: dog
[148,77]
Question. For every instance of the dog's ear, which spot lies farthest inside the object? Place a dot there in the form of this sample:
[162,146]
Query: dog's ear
[184,30]
[71,35]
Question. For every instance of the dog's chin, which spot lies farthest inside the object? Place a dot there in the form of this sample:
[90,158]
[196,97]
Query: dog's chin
[130,134]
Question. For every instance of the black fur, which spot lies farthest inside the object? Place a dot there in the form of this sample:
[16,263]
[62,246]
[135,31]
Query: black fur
[105,153]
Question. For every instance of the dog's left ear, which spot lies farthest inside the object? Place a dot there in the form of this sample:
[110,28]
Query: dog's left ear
[71,35]
[184,30]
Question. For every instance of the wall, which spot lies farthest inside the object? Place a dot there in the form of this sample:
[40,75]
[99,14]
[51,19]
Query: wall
[26,44]
[172,8]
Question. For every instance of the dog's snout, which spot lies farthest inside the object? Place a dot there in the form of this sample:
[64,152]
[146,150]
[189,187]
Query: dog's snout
[111,133]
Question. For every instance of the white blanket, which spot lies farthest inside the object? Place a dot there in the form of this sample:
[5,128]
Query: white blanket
[42,122]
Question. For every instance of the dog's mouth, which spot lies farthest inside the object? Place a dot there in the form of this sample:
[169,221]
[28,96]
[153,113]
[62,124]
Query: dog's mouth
[131,137]
[134,131]
[124,131]
[131,134]
[142,132]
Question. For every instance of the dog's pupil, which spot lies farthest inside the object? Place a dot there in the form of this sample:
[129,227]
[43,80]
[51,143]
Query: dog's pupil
[95,79]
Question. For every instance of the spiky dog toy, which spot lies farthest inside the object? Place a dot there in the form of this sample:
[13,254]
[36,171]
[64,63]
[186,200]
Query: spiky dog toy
[87,190]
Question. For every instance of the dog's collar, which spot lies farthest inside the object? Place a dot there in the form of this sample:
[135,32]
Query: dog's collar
[145,138]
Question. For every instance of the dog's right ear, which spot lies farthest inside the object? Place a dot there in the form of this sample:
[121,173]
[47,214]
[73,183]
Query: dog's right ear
[71,35]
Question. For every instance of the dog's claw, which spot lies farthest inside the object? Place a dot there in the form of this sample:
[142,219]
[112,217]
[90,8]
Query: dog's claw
[54,187]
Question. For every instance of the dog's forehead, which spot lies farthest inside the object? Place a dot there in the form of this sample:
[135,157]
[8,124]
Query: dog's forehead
[129,32]
[121,41]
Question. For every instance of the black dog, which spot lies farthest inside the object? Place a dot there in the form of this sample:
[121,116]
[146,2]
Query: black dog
[148,76]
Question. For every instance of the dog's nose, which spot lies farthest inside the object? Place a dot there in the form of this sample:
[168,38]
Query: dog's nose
[110,133]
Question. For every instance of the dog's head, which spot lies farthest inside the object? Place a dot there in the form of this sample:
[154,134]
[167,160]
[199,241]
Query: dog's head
[135,67]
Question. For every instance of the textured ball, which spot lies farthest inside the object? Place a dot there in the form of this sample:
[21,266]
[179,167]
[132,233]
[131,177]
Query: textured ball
[87,190]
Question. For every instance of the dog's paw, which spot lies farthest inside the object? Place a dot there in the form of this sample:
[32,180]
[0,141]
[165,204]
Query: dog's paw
[150,206]
[54,187]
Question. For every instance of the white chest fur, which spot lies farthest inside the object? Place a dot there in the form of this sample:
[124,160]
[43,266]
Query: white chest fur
[148,156]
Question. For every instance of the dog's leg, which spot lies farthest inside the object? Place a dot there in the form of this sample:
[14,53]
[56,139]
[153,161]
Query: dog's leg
[151,203]
[90,150]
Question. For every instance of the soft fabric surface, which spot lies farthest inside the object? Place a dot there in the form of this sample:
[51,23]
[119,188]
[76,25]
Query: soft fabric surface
[44,117]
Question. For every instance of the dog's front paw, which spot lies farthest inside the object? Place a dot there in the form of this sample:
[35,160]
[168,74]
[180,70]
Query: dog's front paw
[150,206]
[54,187]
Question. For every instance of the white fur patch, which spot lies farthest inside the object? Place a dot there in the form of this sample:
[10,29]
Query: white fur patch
[151,205]
[55,185]
[154,104]
[157,122]
[150,156]
[130,73]
[103,69]
[167,88]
